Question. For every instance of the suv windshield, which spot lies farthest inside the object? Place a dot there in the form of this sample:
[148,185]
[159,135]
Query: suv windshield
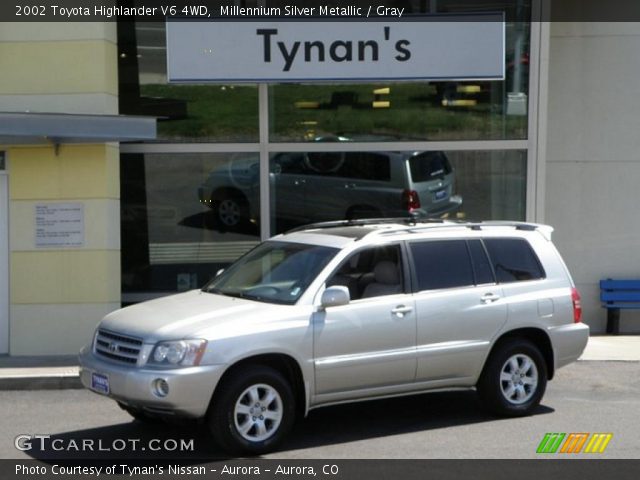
[274,272]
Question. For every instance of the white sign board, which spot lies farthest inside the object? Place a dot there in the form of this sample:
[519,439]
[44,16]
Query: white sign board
[59,225]
[460,47]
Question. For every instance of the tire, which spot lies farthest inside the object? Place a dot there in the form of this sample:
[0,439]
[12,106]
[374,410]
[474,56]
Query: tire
[141,415]
[255,389]
[231,208]
[514,379]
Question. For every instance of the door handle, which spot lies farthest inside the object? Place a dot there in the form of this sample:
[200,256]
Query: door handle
[400,310]
[489,298]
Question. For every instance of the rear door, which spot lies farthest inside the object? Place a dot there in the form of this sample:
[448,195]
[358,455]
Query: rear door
[459,308]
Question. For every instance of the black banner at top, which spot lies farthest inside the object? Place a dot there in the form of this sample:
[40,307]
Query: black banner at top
[159,10]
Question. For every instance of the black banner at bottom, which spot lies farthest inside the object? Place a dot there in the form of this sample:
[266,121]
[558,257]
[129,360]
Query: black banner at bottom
[539,469]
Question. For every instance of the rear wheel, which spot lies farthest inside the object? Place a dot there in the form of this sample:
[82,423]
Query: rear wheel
[252,411]
[514,379]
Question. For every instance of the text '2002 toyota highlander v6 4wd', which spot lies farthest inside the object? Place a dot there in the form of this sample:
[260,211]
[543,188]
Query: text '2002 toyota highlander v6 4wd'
[342,312]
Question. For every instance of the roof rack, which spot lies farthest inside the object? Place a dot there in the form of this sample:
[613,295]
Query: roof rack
[358,222]
[478,225]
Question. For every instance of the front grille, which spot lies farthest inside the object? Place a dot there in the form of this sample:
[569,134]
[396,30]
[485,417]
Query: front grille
[117,347]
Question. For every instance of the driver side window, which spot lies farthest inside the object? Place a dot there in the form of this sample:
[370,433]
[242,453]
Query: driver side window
[372,272]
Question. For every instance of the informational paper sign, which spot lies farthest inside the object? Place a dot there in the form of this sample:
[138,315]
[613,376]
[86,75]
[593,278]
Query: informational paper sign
[59,225]
[438,47]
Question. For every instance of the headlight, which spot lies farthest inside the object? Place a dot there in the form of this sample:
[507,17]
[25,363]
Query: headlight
[179,352]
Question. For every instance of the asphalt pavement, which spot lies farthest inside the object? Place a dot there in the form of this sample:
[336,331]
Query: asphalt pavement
[586,396]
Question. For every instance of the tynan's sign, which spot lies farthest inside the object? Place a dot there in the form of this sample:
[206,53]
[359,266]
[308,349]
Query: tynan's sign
[435,47]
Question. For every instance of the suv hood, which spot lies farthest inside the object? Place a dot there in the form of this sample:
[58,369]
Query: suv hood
[186,315]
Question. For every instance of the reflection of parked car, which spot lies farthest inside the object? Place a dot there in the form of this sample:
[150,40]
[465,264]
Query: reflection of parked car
[342,312]
[310,187]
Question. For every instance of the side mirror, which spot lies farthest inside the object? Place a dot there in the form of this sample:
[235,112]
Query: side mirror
[335,296]
[219,272]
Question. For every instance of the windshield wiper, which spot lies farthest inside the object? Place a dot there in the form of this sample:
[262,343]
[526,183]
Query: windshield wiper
[227,293]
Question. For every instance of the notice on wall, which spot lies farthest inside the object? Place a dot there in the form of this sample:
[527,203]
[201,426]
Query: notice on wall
[59,225]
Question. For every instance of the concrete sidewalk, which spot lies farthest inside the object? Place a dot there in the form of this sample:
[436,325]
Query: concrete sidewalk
[61,372]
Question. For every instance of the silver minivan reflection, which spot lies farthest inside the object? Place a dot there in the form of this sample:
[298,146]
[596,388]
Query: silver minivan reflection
[319,186]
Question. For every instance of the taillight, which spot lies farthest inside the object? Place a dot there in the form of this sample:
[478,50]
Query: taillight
[410,200]
[577,306]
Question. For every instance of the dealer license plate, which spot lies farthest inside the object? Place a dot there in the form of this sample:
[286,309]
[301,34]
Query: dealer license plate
[100,383]
[440,195]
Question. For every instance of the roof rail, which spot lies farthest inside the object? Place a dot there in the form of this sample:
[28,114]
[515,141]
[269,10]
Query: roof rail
[478,225]
[414,224]
[356,222]
[505,223]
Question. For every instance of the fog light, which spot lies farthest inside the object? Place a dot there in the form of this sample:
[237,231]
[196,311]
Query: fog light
[160,387]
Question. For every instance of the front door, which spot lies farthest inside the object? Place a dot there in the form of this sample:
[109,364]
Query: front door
[4,258]
[371,341]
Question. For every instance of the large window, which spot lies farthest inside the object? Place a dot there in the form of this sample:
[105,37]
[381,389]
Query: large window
[186,113]
[320,186]
[398,111]
[183,217]
[235,164]
[388,111]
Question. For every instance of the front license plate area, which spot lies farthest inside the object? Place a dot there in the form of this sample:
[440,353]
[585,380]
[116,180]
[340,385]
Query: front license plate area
[100,383]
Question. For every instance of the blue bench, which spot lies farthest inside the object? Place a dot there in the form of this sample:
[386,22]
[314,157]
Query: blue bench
[617,295]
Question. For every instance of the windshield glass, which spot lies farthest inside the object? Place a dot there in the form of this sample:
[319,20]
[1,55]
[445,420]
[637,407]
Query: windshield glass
[274,272]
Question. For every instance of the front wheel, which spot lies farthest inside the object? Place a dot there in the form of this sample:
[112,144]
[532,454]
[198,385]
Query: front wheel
[514,379]
[253,411]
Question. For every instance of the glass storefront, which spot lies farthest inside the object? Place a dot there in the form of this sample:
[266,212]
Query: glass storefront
[234,164]
[396,112]
[183,217]
[309,187]
[186,113]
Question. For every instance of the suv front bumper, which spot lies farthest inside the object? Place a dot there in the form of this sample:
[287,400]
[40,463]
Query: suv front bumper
[189,388]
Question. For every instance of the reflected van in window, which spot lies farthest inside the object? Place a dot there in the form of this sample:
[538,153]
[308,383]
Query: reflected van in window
[320,186]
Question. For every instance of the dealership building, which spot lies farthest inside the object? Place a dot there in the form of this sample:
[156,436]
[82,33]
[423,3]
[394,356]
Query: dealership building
[125,177]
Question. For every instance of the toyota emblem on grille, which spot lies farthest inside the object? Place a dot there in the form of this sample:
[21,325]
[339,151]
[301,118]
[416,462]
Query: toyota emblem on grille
[113,347]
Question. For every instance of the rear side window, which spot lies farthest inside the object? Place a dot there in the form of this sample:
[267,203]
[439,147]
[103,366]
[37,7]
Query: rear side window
[442,264]
[513,260]
[429,165]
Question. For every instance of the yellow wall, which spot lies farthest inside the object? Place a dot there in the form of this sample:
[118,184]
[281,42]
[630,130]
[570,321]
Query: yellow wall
[77,171]
[57,295]
[70,67]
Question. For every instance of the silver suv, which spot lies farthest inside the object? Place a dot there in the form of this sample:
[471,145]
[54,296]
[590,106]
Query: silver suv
[341,185]
[342,312]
